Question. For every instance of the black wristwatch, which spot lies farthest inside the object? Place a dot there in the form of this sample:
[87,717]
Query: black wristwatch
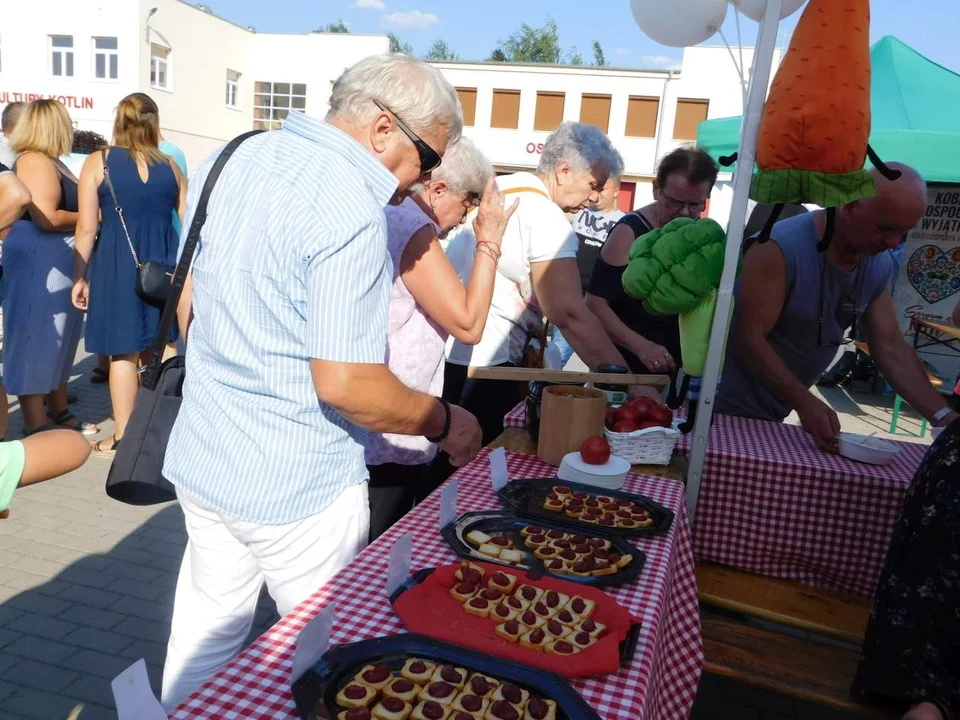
[446,423]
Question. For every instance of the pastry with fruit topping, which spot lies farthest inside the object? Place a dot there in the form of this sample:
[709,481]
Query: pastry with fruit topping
[406,690]
[376,676]
[582,608]
[357,713]
[562,647]
[468,572]
[470,703]
[356,695]
[482,685]
[537,639]
[391,708]
[539,709]
[450,674]
[528,592]
[440,692]
[420,671]
[477,606]
[463,591]
[430,710]
[510,631]
[514,695]
[502,581]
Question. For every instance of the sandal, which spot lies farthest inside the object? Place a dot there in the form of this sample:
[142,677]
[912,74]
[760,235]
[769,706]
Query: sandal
[64,418]
[42,428]
[100,451]
[99,376]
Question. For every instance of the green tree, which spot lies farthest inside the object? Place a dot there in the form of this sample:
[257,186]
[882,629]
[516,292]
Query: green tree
[338,27]
[574,58]
[398,46]
[530,45]
[599,59]
[440,52]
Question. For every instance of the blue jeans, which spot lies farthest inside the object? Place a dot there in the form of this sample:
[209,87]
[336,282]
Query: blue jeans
[566,350]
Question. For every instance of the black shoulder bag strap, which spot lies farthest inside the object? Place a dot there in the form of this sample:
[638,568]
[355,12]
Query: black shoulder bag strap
[152,373]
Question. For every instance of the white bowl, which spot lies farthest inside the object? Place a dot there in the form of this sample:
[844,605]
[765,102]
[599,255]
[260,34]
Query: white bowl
[866,449]
[610,476]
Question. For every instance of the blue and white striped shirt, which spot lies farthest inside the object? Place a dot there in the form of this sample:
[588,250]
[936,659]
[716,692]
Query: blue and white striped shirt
[292,264]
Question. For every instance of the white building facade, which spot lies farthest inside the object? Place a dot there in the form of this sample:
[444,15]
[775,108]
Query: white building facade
[213,80]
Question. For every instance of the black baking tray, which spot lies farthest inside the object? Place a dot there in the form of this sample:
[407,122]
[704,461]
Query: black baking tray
[628,646]
[525,497]
[503,522]
[315,693]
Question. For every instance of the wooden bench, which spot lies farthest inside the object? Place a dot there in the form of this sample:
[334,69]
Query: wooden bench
[783,636]
[834,615]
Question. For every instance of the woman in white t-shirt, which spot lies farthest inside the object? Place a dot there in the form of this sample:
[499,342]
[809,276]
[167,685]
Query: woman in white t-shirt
[537,274]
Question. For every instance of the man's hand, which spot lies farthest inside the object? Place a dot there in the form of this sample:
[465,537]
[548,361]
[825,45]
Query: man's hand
[821,422]
[657,358]
[465,438]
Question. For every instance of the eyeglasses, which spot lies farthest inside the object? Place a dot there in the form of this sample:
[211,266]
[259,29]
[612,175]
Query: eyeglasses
[429,158]
[852,302]
[675,205]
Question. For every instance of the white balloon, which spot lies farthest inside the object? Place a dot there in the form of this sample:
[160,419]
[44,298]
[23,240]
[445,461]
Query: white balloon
[756,9]
[679,23]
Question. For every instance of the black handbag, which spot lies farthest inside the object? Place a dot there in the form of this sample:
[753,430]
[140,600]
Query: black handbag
[136,475]
[153,278]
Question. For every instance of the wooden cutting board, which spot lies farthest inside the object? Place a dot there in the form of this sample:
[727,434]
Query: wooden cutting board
[564,376]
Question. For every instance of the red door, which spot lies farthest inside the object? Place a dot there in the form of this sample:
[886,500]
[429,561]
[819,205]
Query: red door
[628,191]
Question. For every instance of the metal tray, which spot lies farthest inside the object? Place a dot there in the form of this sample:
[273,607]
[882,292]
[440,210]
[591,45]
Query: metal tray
[315,693]
[628,646]
[501,522]
[525,497]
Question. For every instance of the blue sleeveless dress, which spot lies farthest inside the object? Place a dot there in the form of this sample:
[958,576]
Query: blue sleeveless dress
[118,321]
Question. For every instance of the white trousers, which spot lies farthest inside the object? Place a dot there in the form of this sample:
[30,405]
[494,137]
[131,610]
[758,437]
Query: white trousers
[226,562]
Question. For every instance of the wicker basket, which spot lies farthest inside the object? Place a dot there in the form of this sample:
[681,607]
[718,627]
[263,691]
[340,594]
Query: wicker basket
[653,446]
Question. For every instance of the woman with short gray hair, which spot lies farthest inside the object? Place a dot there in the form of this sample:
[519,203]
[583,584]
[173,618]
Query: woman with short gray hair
[428,303]
[537,275]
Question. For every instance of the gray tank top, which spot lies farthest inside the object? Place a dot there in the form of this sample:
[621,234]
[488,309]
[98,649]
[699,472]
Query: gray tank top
[845,295]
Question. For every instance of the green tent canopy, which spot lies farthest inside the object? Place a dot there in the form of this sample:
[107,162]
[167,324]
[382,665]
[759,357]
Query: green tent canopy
[916,114]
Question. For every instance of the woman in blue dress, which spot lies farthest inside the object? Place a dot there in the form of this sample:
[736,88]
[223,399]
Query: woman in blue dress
[149,189]
[41,326]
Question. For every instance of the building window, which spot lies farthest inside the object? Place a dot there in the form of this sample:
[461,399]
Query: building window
[690,113]
[233,89]
[506,109]
[273,101]
[549,112]
[642,115]
[595,110]
[61,55]
[105,59]
[159,67]
[468,101]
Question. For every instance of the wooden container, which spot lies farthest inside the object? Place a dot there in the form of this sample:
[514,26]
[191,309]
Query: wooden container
[568,416]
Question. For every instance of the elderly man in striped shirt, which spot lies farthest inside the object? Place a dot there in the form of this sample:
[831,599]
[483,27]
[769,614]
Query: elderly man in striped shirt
[286,308]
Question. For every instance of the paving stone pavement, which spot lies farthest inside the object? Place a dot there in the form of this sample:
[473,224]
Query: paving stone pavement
[86,584]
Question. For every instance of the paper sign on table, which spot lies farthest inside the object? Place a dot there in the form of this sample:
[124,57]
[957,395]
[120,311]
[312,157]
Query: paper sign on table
[312,642]
[398,569]
[448,503]
[133,696]
[498,469]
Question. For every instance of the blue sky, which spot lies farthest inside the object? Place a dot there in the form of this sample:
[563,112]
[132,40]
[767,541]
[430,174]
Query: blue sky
[473,29]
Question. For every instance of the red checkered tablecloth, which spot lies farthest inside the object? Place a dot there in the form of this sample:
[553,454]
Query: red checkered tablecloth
[660,683]
[771,503]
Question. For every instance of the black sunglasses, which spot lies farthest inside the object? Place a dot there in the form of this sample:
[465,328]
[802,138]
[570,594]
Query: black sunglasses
[429,158]
[853,303]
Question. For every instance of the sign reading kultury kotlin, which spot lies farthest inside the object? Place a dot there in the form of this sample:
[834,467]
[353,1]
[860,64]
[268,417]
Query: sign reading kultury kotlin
[928,286]
[78,102]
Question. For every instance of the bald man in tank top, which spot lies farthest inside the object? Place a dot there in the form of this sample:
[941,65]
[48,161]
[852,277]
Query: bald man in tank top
[794,305]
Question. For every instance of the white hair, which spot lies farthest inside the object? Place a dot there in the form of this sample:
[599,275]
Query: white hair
[585,147]
[616,169]
[415,91]
[464,168]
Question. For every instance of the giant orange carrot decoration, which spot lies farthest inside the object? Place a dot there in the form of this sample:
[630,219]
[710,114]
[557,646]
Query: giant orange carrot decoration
[815,130]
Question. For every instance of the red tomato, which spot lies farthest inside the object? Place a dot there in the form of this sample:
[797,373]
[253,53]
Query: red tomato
[661,416]
[595,450]
[643,406]
[648,424]
[625,426]
[613,416]
[629,413]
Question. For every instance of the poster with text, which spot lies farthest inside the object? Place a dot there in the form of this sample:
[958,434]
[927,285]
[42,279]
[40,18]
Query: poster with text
[928,284]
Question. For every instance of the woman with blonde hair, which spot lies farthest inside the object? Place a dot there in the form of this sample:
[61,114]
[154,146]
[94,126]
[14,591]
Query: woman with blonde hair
[41,326]
[137,227]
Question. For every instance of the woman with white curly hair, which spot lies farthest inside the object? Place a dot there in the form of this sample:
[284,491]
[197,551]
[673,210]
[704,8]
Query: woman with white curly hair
[538,274]
[428,303]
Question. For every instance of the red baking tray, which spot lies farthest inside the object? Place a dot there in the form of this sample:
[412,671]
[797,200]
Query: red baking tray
[425,606]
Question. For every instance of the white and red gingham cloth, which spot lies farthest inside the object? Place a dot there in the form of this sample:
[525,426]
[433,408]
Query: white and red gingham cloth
[659,683]
[772,504]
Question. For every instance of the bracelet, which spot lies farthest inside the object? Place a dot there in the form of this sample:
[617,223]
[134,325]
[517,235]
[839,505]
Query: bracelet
[494,248]
[446,423]
[941,414]
[489,254]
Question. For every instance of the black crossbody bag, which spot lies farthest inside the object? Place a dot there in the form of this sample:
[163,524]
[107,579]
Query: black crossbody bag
[136,475]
